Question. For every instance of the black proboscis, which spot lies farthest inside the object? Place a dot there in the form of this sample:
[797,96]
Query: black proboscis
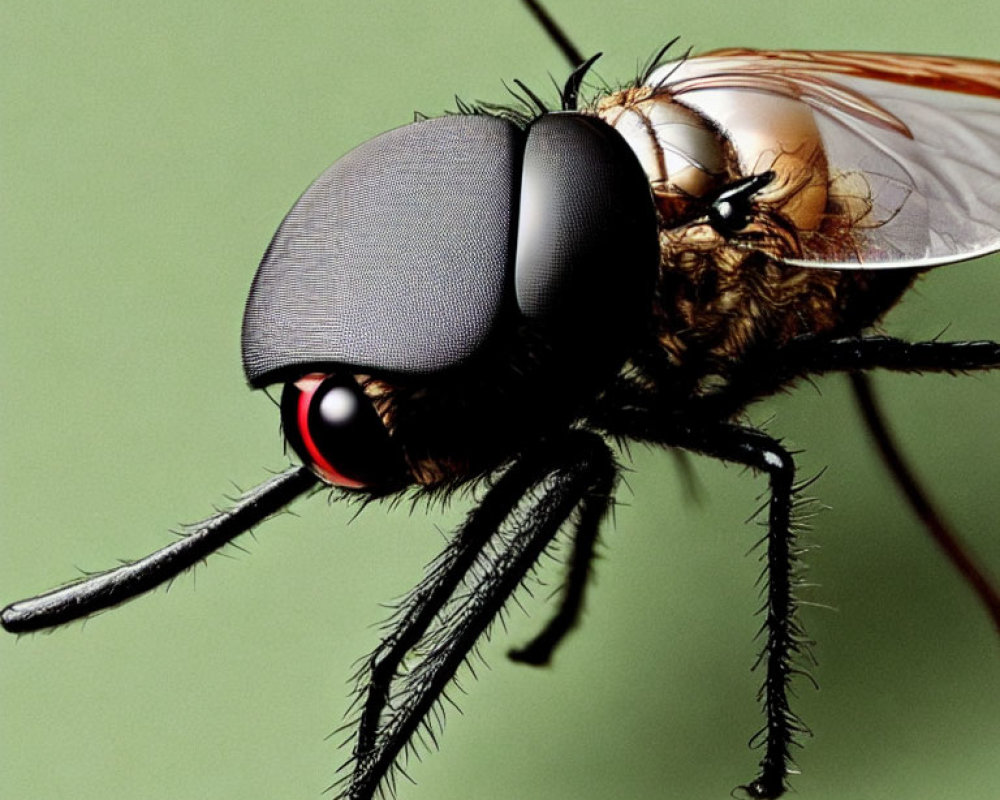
[103,590]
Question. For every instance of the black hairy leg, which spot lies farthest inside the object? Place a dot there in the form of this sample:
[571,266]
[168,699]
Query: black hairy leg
[434,629]
[769,370]
[810,355]
[538,651]
[786,646]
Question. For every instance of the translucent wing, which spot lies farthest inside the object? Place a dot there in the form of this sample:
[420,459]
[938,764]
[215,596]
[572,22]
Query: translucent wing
[909,146]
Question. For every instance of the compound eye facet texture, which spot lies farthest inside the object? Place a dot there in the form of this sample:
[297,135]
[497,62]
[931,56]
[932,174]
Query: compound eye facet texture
[587,246]
[395,259]
[333,427]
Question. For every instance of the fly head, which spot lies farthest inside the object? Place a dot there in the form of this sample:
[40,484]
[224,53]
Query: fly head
[449,289]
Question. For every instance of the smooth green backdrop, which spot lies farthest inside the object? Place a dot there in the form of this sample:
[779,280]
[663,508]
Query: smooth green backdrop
[148,152]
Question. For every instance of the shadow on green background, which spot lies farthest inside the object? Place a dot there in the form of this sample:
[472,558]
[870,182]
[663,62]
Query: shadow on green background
[148,153]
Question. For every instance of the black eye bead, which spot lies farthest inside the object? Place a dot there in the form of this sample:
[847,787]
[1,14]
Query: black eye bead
[733,209]
[333,427]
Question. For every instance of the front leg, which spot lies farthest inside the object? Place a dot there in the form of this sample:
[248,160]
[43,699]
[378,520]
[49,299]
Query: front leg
[538,652]
[434,629]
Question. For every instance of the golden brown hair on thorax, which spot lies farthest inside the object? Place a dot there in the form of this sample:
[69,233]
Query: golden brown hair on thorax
[723,293]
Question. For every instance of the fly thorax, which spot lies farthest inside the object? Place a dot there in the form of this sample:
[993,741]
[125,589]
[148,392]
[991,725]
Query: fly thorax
[684,156]
[722,292]
[692,148]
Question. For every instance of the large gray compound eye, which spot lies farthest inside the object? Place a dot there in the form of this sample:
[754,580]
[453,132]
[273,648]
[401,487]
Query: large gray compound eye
[587,244]
[396,259]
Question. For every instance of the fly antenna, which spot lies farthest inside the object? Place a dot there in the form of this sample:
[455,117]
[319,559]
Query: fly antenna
[555,33]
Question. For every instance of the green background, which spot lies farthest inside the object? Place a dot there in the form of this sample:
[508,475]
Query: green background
[148,153]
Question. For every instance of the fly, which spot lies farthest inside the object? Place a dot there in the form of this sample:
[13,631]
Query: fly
[496,297]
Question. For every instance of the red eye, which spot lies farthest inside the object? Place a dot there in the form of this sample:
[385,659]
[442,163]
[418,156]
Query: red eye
[333,427]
